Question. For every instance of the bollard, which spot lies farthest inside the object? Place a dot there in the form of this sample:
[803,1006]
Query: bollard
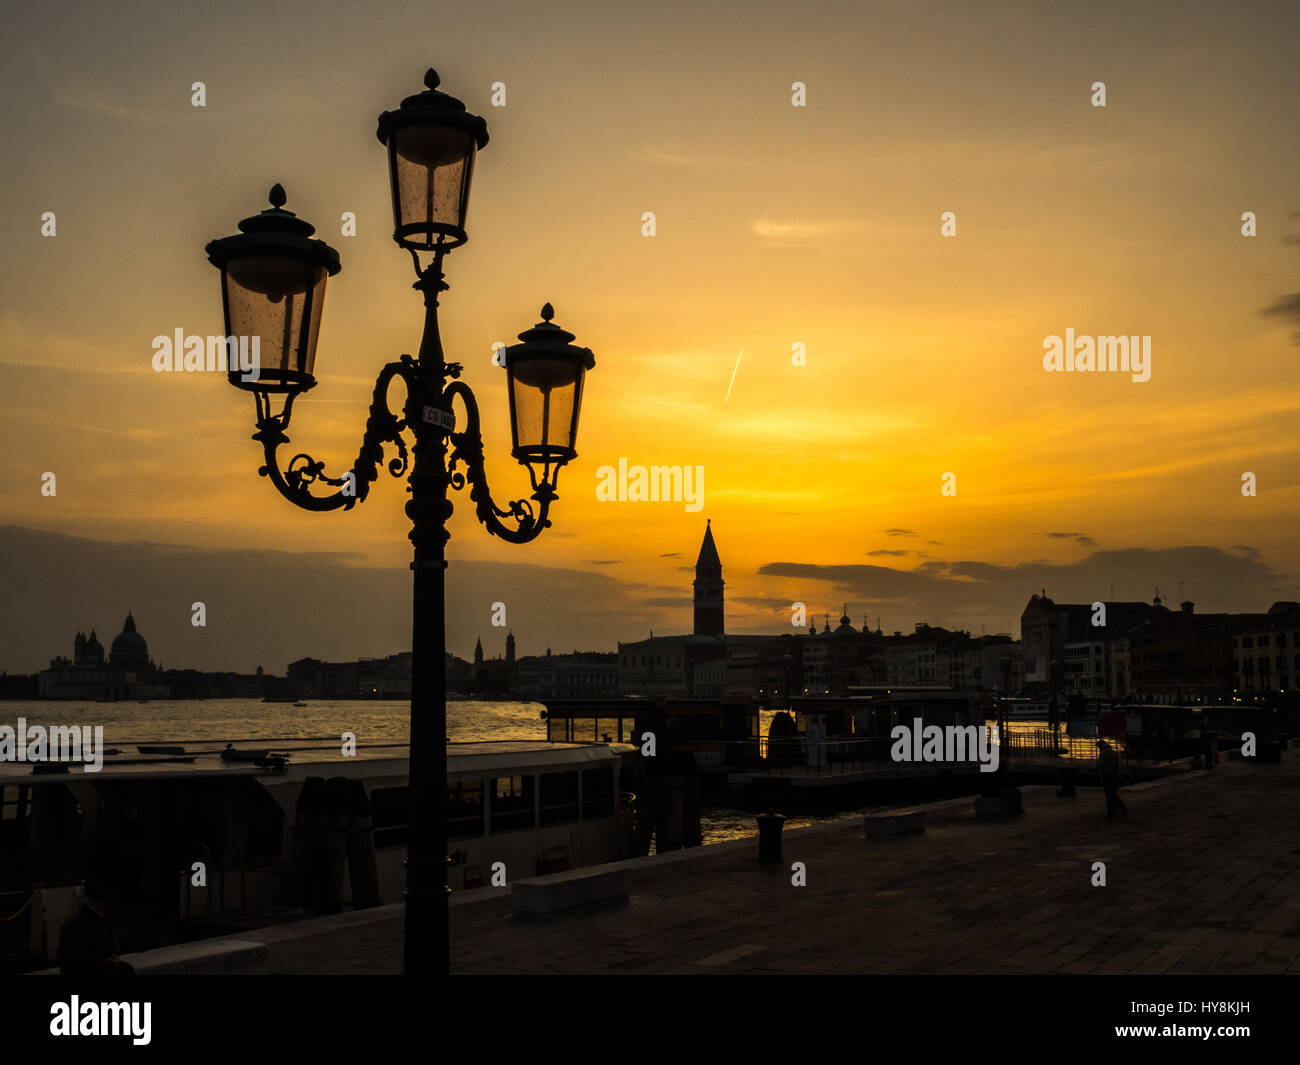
[1066,790]
[769,836]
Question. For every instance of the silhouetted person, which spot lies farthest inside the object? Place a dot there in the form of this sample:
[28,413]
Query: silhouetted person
[1109,764]
[1207,748]
[87,945]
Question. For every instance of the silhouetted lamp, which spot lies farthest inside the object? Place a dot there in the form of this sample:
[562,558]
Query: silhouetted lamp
[273,277]
[431,141]
[545,374]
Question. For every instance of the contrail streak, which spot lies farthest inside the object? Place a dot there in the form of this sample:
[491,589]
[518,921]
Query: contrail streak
[733,375]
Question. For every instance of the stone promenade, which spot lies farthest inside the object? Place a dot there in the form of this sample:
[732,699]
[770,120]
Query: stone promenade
[1203,877]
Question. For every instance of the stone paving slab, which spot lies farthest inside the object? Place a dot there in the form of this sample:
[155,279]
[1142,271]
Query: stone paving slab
[1203,877]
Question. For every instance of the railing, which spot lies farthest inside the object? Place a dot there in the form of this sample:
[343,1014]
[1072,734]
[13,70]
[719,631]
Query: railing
[839,757]
[1043,746]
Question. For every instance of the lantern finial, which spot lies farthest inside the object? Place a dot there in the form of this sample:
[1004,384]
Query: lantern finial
[548,312]
[431,79]
[277,195]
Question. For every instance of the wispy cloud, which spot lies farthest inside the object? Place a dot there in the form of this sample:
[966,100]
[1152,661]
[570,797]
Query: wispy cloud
[670,153]
[802,230]
[1078,537]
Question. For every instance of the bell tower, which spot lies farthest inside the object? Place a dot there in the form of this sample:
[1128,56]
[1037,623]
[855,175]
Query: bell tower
[708,588]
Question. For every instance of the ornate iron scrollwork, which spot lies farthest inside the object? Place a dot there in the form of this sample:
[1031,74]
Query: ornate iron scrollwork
[382,427]
[467,450]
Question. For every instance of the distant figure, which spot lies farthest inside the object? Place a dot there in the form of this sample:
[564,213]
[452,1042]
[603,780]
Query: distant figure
[1109,764]
[1162,743]
[87,945]
[1208,748]
[605,738]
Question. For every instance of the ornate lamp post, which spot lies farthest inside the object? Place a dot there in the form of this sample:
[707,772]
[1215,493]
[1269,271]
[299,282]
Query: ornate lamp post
[273,276]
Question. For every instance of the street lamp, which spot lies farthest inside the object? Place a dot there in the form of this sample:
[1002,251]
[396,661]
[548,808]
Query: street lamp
[273,276]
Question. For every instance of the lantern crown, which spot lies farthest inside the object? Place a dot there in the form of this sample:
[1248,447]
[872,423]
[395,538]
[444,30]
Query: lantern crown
[274,231]
[432,106]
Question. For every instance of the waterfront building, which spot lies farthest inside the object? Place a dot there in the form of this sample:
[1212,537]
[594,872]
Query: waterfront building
[1046,627]
[1086,669]
[1002,666]
[580,675]
[1266,654]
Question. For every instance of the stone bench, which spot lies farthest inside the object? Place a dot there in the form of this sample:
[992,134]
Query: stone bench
[541,896]
[882,826]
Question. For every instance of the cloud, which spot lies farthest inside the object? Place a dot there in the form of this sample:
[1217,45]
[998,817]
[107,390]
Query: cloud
[801,231]
[1237,580]
[270,608]
[1076,536]
[901,532]
[1288,308]
[671,153]
[604,561]
[671,554]
[883,552]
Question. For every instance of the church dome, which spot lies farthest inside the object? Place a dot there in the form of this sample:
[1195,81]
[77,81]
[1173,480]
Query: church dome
[129,648]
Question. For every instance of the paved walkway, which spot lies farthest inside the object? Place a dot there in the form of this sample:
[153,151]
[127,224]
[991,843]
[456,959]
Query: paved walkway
[1204,876]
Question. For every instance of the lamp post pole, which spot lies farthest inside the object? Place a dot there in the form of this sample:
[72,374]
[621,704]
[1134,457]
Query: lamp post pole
[427,941]
[273,278]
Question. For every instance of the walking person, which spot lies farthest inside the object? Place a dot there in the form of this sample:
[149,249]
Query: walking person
[1108,762]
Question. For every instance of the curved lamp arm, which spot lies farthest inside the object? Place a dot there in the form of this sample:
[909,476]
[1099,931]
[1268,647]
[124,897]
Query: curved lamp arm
[467,450]
[382,426]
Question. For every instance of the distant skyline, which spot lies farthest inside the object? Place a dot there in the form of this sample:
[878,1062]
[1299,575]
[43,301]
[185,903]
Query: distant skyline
[268,608]
[777,226]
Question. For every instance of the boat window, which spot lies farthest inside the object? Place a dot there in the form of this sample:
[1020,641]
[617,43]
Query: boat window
[597,793]
[465,809]
[513,802]
[559,798]
[388,816]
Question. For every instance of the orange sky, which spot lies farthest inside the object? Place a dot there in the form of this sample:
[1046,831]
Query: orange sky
[776,225]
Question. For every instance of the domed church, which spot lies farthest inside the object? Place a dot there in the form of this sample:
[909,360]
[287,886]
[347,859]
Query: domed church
[126,674]
[130,651]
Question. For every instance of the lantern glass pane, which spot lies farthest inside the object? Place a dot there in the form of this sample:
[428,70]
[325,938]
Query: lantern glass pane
[544,415]
[433,166]
[267,296]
